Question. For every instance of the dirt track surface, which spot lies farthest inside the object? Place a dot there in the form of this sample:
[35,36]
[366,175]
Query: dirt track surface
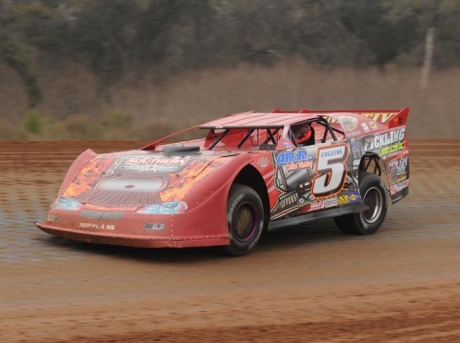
[310,284]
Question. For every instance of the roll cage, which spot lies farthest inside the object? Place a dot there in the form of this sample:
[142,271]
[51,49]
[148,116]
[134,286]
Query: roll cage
[271,134]
[266,137]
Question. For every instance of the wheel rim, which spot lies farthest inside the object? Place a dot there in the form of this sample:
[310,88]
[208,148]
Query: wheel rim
[374,199]
[244,222]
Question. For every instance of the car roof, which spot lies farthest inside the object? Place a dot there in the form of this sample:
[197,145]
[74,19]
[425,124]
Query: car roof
[273,119]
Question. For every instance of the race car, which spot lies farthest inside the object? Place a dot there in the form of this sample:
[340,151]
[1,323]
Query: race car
[249,173]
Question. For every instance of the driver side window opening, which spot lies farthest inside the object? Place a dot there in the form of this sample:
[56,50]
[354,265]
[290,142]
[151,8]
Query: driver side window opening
[313,132]
[263,138]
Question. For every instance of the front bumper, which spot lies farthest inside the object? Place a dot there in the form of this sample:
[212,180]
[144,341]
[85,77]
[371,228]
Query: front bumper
[135,240]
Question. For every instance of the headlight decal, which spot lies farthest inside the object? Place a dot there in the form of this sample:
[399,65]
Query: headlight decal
[66,203]
[173,207]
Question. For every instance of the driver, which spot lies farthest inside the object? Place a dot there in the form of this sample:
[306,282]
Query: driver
[302,133]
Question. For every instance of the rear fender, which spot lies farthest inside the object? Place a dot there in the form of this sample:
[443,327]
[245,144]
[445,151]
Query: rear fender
[394,172]
[374,164]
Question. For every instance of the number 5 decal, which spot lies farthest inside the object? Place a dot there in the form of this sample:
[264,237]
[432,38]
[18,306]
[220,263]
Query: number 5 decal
[331,169]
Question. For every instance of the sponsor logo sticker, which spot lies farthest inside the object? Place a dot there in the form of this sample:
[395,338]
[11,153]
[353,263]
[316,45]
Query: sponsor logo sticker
[300,165]
[343,199]
[287,145]
[317,206]
[386,143]
[348,122]
[155,163]
[398,187]
[263,162]
[292,157]
[365,127]
[379,116]
[330,202]
[350,198]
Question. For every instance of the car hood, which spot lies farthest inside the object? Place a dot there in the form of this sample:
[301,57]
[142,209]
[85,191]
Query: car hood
[138,178]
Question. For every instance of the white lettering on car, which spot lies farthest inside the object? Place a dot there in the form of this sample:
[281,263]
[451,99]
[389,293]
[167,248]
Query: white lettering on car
[96,226]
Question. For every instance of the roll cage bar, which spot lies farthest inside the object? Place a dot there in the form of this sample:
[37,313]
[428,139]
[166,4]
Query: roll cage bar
[272,131]
[321,121]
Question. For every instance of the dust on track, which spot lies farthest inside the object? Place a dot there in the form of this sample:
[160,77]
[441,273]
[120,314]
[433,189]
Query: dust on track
[309,284]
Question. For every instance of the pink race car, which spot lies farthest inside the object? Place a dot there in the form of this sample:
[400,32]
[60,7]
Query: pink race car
[250,173]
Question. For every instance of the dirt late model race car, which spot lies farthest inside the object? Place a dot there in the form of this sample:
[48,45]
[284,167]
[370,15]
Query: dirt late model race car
[252,172]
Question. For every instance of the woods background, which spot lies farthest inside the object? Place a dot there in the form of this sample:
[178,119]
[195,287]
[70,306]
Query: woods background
[137,69]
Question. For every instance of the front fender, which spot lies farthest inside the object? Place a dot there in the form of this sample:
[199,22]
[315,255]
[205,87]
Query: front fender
[211,187]
[75,168]
[217,176]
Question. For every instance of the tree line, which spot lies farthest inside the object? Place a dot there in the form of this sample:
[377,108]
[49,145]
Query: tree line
[114,37]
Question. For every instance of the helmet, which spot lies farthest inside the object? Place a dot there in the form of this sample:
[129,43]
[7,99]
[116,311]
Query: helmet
[302,133]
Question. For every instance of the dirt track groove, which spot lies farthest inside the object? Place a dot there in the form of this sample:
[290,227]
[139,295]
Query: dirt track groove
[310,284]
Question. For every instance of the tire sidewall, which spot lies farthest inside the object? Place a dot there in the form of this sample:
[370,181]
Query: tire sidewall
[238,196]
[369,182]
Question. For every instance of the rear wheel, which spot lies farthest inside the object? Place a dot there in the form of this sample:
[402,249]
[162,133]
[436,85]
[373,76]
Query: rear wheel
[374,195]
[245,217]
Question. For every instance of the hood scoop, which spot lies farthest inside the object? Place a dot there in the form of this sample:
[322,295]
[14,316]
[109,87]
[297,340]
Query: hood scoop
[180,150]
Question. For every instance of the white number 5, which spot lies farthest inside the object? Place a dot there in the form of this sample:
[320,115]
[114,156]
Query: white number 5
[331,169]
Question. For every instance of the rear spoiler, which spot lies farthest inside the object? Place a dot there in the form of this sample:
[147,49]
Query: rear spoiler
[388,118]
[400,118]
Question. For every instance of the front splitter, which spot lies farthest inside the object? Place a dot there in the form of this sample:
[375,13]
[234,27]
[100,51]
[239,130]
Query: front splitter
[135,240]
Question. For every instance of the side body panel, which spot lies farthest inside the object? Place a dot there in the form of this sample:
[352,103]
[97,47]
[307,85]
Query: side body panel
[324,176]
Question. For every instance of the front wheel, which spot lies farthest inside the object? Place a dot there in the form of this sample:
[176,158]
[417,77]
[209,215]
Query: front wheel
[374,195]
[245,217]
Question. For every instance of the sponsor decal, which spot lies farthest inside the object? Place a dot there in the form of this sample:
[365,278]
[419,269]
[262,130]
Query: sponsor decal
[392,149]
[292,157]
[355,197]
[287,145]
[392,190]
[354,133]
[348,122]
[355,147]
[384,139]
[397,168]
[155,163]
[96,226]
[300,165]
[332,152]
[330,202]
[398,179]
[317,206]
[263,162]
[365,127]
[373,125]
[292,180]
[349,198]
[380,116]
[343,199]
[398,187]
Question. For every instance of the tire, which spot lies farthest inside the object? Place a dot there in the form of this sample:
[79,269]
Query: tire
[374,194]
[245,217]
